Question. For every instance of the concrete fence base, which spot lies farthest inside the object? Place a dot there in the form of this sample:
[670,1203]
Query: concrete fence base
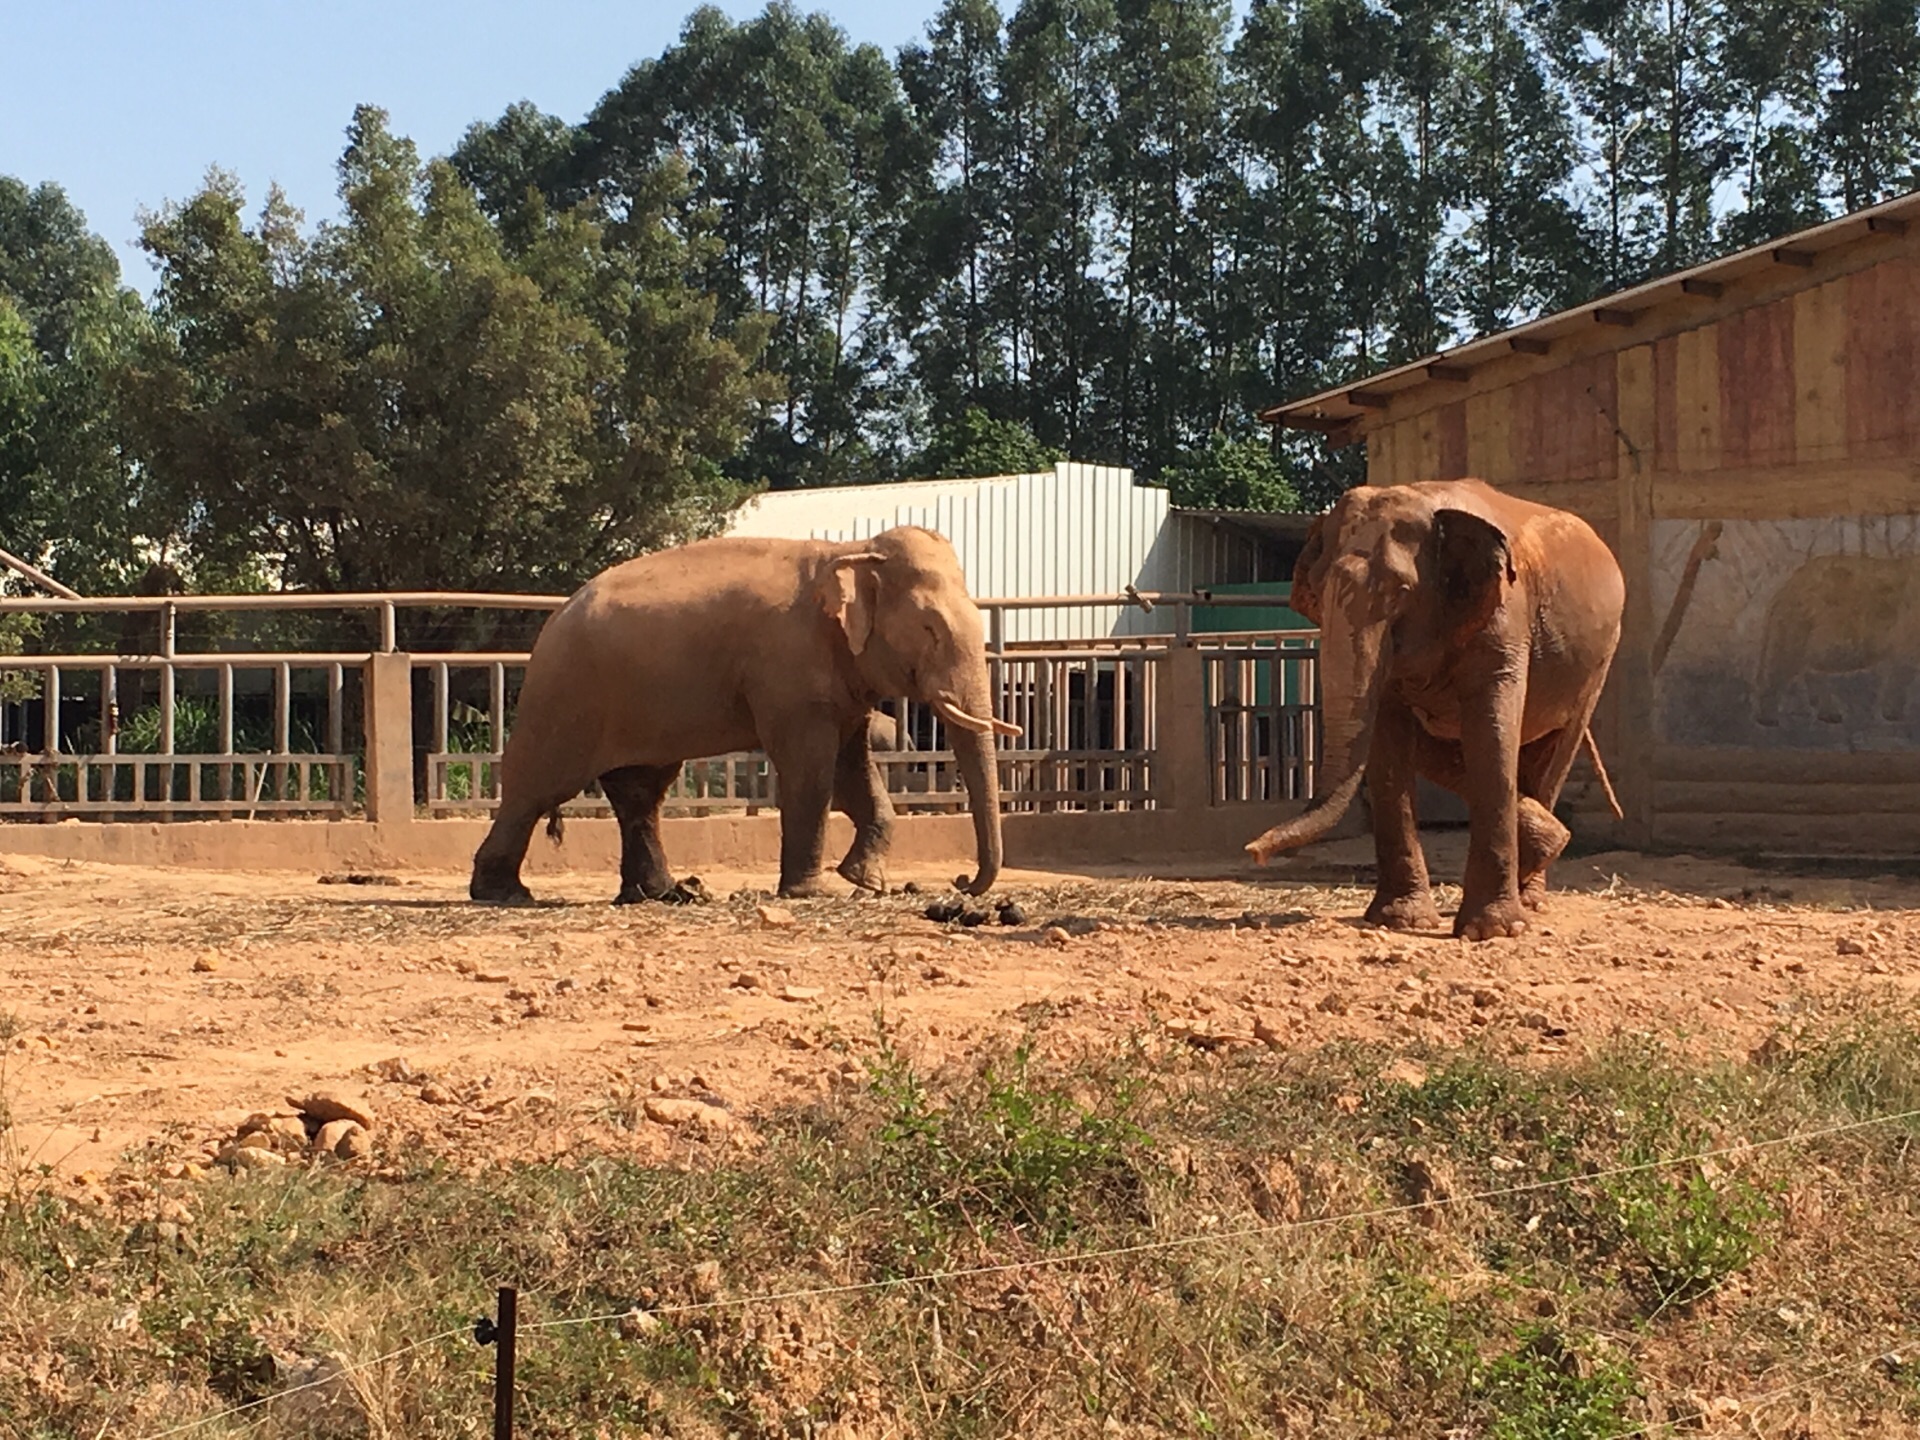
[593,844]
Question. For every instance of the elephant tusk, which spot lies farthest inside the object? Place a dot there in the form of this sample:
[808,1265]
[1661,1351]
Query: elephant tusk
[954,715]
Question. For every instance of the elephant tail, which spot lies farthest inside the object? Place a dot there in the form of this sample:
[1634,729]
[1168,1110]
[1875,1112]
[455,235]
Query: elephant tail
[1600,769]
[556,827]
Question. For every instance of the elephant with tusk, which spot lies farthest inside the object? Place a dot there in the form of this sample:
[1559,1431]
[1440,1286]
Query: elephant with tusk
[1465,636]
[737,643]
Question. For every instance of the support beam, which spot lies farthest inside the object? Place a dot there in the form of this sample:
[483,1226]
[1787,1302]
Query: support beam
[1705,289]
[1368,399]
[1801,258]
[37,576]
[1452,374]
[1608,316]
[1529,345]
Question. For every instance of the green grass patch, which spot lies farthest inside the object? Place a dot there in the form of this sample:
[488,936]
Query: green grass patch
[1250,1244]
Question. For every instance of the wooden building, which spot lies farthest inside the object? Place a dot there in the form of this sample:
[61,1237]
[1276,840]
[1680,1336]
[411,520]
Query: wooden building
[1746,435]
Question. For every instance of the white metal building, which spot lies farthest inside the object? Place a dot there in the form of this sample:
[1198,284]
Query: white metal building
[1074,530]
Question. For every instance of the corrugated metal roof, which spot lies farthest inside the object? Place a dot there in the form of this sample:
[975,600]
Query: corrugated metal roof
[1340,406]
[1074,530]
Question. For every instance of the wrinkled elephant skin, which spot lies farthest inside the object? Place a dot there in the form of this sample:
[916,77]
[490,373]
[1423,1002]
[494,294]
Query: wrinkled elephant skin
[737,643]
[1465,637]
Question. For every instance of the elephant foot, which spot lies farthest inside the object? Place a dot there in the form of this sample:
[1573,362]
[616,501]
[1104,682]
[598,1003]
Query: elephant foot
[642,894]
[864,874]
[512,893]
[813,887]
[1491,921]
[1533,892]
[1404,912]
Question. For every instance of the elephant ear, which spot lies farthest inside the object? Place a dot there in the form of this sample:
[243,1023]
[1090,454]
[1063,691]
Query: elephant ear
[1473,565]
[1304,599]
[849,592]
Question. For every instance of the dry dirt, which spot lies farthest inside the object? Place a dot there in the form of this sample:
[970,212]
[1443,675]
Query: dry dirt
[155,1010]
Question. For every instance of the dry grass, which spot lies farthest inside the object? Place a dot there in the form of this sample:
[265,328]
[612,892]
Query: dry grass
[1598,1304]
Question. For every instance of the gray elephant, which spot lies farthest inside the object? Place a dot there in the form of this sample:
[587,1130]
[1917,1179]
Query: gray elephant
[1841,615]
[737,644]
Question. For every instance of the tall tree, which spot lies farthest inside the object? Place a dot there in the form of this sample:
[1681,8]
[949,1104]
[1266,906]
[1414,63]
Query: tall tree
[397,403]
[1870,121]
[69,495]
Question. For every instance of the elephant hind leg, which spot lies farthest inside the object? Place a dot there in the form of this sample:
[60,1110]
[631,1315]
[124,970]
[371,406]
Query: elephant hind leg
[859,793]
[636,793]
[496,864]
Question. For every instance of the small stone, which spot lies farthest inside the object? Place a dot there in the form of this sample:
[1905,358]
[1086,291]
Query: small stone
[775,917]
[801,992]
[1333,1003]
[246,1157]
[336,1138]
[434,1093]
[254,1140]
[1265,1032]
[1056,936]
[206,962]
[492,977]
[287,1133]
[706,1279]
[637,1324]
[747,980]
[1536,1020]
[678,1113]
[912,887]
[1845,945]
[325,1105]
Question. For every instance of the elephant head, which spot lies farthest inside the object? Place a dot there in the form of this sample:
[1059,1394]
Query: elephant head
[901,600]
[1396,585]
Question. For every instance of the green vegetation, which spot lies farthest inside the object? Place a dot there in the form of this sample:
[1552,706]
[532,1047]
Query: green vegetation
[772,255]
[1328,1244]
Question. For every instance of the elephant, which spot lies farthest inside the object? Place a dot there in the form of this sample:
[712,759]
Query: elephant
[1839,615]
[886,735]
[1465,636]
[735,643]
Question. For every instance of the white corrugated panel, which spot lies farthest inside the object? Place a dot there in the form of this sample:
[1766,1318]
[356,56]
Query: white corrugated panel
[1074,530]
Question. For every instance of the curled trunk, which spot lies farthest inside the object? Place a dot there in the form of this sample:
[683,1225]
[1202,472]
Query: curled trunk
[1352,662]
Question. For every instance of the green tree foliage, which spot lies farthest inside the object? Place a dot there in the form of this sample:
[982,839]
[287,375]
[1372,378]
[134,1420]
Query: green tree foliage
[976,444]
[1231,474]
[69,498]
[401,401]
[1108,229]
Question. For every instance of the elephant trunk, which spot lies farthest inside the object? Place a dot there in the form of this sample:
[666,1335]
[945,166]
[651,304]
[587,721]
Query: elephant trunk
[981,773]
[1353,660]
[971,727]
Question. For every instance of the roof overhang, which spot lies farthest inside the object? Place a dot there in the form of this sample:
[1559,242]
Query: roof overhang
[1337,412]
[1283,527]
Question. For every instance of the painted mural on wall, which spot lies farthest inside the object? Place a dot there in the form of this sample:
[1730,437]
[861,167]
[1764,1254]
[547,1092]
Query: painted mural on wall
[1788,634]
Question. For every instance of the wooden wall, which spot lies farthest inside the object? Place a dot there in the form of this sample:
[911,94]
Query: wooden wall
[1722,459]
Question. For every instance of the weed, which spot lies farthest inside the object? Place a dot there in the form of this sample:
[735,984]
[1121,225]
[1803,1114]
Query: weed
[1690,1234]
[1545,1390]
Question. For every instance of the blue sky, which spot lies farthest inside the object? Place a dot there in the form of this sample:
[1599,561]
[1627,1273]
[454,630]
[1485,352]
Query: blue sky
[126,103]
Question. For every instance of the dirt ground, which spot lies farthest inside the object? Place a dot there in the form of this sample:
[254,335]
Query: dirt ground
[153,1011]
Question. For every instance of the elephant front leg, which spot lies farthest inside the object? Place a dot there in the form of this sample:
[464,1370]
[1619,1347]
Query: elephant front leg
[1403,893]
[859,791]
[636,793]
[1490,749]
[805,763]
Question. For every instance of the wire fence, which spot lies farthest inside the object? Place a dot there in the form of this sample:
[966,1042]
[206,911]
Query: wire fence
[487,1330]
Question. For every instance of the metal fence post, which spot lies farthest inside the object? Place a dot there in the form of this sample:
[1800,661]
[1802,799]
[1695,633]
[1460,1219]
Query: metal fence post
[389,724]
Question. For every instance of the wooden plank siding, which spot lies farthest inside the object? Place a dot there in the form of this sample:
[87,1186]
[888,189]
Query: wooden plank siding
[1801,406]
